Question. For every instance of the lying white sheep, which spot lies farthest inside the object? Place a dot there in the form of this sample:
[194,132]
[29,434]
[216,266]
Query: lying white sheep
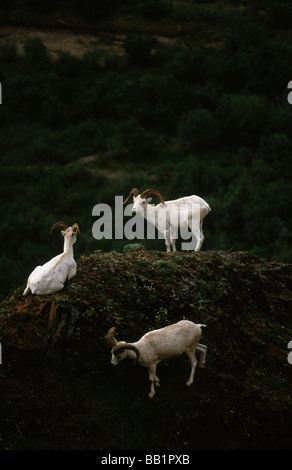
[157,345]
[51,276]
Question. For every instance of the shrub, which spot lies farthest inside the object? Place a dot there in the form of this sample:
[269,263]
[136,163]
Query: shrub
[36,55]
[188,64]
[133,247]
[53,111]
[138,48]
[131,137]
[198,129]
[68,65]
[242,118]
[268,63]
[165,268]
[8,52]
[253,62]
[276,150]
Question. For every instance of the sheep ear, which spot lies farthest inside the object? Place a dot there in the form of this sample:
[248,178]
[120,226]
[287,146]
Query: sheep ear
[149,199]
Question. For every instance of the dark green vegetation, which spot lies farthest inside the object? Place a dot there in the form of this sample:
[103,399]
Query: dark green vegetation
[193,102]
[189,98]
[59,390]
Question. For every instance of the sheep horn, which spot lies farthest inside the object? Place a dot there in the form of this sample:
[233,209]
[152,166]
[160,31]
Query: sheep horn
[148,192]
[122,347]
[135,192]
[110,337]
[75,227]
[58,224]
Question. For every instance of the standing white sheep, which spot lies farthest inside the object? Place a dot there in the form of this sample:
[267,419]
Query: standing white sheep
[157,345]
[51,276]
[169,216]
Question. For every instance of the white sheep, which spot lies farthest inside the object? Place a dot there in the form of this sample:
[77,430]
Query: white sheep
[51,276]
[170,216]
[157,345]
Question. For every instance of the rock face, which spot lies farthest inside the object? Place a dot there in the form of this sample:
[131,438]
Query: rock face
[59,390]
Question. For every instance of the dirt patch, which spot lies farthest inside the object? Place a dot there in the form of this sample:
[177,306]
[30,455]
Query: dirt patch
[75,43]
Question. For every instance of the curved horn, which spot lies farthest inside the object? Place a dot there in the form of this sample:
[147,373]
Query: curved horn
[58,224]
[135,193]
[148,192]
[75,227]
[110,337]
[123,346]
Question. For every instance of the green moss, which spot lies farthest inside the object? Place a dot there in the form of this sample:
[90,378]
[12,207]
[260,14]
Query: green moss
[165,267]
[133,247]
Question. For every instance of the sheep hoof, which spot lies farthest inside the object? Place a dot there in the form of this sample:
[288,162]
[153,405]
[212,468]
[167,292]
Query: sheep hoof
[188,383]
[151,395]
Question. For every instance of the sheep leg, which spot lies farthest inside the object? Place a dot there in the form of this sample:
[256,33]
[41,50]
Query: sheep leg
[197,232]
[192,357]
[173,237]
[203,350]
[166,232]
[72,272]
[156,381]
[152,379]
[26,291]
[167,239]
[200,238]
[193,223]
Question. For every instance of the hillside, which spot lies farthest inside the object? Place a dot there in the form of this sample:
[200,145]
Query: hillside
[59,390]
[184,96]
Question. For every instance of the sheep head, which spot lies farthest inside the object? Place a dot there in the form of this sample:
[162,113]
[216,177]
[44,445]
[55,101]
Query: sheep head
[119,347]
[119,352]
[141,200]
[149,192]
[68,231]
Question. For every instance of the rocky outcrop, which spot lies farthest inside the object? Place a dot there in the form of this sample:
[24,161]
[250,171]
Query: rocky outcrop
[58,389]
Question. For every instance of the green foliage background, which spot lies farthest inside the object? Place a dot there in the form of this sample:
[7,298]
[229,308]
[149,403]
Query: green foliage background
[211,120]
